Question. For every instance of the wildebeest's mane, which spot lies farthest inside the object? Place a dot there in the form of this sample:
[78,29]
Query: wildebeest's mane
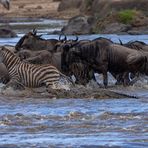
[90,54]
[137,45]
[20,42]
[103,39]
[86,50]
[133,42]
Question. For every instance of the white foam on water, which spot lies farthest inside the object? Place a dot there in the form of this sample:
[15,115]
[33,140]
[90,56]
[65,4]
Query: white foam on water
[62,84]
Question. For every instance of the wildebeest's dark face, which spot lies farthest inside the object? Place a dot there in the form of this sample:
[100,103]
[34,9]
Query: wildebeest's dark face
[27,41]
[64,61]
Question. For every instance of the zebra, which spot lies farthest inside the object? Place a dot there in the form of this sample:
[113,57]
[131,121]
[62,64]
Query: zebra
[23,74]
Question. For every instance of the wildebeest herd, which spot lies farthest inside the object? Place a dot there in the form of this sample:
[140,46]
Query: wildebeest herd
[81,58]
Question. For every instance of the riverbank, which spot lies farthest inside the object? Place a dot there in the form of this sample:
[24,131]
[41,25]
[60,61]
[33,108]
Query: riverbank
[85,17]
[74,92]
[34,9]
[106,17]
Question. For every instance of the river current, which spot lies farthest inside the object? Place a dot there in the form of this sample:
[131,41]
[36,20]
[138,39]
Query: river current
[27,122]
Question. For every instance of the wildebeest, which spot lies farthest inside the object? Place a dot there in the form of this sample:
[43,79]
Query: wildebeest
[41,57]
[73,63]
[119,63]
[103,56]
[34,42]
[140,46]
[93,52]
[5,3]
[64,42]
[137,45]
[136,59]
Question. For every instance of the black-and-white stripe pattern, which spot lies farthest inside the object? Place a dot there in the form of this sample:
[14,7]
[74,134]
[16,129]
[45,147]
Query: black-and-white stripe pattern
[29,75]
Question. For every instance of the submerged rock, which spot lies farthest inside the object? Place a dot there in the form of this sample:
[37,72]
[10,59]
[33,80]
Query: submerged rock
[116,28]
[7,33]
[75,92]
[79,25]
[69,4]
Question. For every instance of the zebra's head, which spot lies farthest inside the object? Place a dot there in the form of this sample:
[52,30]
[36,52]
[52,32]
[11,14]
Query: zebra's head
[4,53]
[8,58]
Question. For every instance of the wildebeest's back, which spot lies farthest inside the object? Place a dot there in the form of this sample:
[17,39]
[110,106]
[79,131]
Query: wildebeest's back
[117,57]
[93,51]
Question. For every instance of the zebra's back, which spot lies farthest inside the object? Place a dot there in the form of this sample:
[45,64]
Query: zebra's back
[37,75]
[29,75]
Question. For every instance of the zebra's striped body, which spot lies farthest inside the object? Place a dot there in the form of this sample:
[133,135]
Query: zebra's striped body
[29,75]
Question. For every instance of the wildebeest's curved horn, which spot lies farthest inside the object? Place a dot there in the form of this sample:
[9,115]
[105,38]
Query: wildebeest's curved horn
[65,38]
[39,36]
[60,37]
[34,31]
[120,42]
[76,39]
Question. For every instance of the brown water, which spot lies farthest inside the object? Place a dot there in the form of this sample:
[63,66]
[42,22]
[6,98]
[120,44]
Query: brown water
[45,122]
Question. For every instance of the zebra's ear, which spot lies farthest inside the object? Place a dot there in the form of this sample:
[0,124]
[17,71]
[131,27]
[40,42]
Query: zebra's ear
[2,48]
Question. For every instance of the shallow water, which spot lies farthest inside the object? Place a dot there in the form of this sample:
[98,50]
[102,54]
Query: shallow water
[33,122]
[43,122]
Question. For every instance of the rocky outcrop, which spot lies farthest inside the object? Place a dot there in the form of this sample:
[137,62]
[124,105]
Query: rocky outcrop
[106,14]
[68,4]
[7,33]
[116,28]
[79,25]
[104,7]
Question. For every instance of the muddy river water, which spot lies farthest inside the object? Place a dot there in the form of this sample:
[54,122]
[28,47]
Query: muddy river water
[28,122]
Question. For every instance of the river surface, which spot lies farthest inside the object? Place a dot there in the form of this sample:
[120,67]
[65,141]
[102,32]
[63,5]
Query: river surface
[74,123]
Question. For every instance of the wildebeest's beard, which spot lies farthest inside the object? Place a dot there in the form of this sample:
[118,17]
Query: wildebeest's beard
[65,57]
[64,62]
[27,41]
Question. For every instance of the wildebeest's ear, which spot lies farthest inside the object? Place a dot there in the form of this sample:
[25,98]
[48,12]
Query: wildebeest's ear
[34,31]
[76,39]
[120,42]
[65,38]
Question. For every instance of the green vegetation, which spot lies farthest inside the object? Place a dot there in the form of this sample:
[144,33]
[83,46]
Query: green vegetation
[126,16]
